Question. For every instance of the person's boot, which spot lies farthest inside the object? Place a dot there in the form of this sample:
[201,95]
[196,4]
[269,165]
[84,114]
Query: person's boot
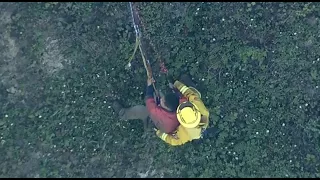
[117,107]
[186,79]
[213,132]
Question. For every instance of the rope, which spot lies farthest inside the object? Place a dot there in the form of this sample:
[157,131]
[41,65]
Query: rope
[136,29]
[146,62]
[148,69]
[163,68]
[135,49]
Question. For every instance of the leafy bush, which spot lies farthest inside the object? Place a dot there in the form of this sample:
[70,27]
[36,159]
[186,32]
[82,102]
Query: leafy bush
[256,65]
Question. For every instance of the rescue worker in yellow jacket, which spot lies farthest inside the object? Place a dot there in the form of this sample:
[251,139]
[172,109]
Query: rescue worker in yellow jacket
[192,115]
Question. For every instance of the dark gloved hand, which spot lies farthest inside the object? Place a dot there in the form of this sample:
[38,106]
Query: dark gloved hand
[170,79]
[211,132]
[157,100]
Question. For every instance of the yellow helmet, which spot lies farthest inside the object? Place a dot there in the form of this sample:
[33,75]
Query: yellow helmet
[188,115]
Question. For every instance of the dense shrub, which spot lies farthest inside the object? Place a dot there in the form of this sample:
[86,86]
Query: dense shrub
[256,65]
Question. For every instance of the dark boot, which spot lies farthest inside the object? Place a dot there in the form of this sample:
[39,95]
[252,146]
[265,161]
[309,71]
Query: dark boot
[186,79]
[213,132]
[117,107]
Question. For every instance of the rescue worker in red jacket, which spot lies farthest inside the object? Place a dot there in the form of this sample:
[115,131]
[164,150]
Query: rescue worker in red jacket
[163,115]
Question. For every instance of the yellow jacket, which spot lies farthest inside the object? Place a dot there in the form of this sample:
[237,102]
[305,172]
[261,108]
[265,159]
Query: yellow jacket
[182,134]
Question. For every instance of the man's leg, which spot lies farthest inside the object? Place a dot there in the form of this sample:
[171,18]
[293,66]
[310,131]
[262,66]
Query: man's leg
[135,112]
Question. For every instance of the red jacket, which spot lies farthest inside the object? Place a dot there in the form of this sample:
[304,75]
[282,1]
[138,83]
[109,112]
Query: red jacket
[164,120]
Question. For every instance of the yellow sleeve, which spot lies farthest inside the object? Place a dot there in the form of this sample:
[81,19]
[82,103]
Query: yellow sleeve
[185,90]
[171,139]
[192,97]
[198,102]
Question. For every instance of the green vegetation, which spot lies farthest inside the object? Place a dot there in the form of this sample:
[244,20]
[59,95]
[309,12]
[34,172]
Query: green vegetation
[256,65]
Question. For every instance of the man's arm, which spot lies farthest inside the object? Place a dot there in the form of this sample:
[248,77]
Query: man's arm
[153,108]
[150,103]
[192,97]
[171,139]
[149,91]
[185,90]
